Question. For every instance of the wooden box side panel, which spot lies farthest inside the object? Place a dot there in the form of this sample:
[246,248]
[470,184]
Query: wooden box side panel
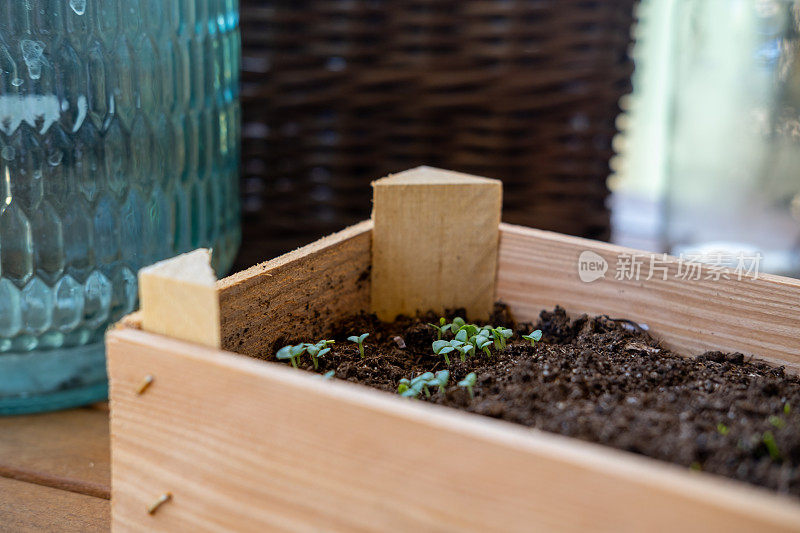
[300,293]
[539,269]
[249,445]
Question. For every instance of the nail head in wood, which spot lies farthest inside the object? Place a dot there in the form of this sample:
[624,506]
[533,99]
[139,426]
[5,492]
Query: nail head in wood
[434,244]
[145,384]
[164,498]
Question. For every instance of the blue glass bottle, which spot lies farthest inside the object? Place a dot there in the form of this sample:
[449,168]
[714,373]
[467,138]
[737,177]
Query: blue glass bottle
[119,146]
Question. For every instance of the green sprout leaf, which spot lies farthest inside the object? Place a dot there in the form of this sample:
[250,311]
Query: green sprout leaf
[441,328]
[534,336]
[500,334]
[468,382]
[443,348]
[772,447]
[484,343]
[722,429]
[439,380]
[786,409]
[777,421]
[292,353]
[464,350]
[359,339]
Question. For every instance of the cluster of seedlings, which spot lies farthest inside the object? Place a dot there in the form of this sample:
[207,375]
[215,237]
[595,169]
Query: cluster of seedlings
[456,337]
[466,340]
[315,351]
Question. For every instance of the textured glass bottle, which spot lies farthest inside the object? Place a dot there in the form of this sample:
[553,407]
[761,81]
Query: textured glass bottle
[118,147]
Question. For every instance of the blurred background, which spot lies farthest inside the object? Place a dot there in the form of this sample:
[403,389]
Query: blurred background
[708,155]
[336,93]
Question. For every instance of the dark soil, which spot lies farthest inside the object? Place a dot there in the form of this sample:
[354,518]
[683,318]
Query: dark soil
[607,381]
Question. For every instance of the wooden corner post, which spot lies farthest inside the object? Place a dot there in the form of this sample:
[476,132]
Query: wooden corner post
[178,297]
[434,244]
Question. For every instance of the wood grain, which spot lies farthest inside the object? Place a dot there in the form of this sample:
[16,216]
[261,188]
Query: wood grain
[539,269]
[178,297]
[67,450]
[296,296]
[27,507]
[253,446]
[434,243]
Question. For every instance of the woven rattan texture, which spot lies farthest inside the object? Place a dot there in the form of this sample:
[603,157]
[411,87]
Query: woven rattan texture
[336,93]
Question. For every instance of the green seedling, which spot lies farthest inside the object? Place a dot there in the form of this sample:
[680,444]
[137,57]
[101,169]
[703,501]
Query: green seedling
[470,329]
[359,339]
[327,375]
[786,409]
[468,382]
[292,353]
[318,350]
[464,350]
[404,386]
[442,328]
[772,447]
[695,466]
[411,388]
[777,421]
[457,324]
[500,335]
[534,337]
[483,343]
[443,348]
[722,429]
[440,380]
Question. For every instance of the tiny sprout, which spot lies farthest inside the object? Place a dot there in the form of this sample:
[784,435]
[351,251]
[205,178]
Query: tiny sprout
[359,339]
[786,408]
[772,447]
[483,343]
[468,382]
[291,352]
[470,329]
[457,324]
[500,335]
[464,350]
[534,337]
[777,422]
[327,375]
[404,387]
[420,383]
[412,388]
[722,429]
[440,380]
[443,348]
[318,350]
[441,328]
[695,466]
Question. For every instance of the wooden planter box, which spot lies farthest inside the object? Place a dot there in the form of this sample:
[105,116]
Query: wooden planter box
[240,443]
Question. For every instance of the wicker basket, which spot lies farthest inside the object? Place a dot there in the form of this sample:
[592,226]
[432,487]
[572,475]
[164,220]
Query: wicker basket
[338,92]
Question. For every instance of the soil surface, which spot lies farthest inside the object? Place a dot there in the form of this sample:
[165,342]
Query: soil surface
[601,380]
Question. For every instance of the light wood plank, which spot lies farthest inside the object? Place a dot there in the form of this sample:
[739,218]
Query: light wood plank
[299,293]
[27,507]
[68,450]
[434,243]
[539,269]
[178,297]
[253,446]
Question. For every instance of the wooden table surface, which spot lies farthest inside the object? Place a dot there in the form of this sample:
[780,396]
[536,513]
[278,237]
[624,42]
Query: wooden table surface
[55,471]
